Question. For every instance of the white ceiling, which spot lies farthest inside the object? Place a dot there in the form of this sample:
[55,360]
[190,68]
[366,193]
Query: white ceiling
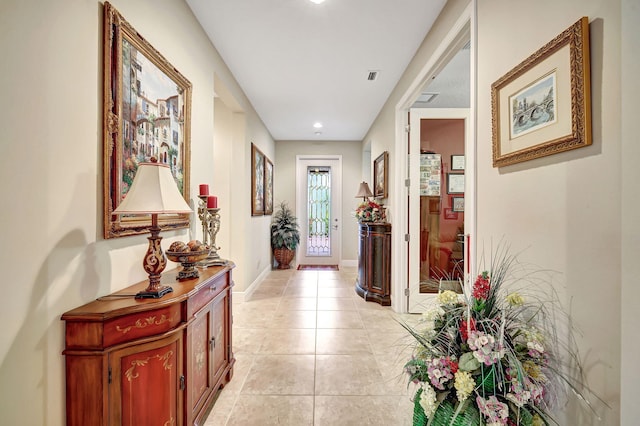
[300,63]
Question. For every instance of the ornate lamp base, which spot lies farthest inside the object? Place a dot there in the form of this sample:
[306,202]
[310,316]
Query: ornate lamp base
[188,272]
[154,294]
[212,261]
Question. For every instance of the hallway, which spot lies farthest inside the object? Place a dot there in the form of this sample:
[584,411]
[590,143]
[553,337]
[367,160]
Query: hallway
[309,351]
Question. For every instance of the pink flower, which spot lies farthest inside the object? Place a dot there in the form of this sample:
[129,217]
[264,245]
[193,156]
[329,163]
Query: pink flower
[439,372]
[484,347]
[494,410]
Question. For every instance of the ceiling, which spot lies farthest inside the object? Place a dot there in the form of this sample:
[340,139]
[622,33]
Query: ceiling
[300,63]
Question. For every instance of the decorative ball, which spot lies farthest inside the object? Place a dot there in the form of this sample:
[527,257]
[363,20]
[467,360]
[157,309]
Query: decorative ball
[179,246]
[195,245]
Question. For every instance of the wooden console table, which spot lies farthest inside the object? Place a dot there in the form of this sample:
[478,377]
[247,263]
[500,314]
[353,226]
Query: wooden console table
[140,362]
[374,262]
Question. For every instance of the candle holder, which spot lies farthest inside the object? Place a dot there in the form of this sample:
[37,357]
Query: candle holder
[210,219]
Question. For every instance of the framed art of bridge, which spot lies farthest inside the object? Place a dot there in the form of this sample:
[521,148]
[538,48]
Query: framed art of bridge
[543,105]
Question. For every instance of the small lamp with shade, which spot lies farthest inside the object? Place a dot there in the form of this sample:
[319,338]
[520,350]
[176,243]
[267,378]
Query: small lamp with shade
[154,192]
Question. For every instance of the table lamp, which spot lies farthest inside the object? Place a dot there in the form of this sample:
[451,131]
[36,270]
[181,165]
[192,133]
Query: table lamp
[153,191]
[364,192]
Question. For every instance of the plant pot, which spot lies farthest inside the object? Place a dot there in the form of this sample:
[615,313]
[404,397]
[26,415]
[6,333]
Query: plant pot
[283,256]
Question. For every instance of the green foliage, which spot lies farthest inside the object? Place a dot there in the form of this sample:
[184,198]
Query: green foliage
[284,228]
[447,413]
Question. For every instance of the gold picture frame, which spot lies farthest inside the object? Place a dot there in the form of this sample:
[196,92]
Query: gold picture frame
[381,176]
[257,181]
[147,113]
[543,105]
[268,186]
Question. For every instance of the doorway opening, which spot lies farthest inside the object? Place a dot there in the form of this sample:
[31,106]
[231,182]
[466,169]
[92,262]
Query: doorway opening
[318,208]
[423,94]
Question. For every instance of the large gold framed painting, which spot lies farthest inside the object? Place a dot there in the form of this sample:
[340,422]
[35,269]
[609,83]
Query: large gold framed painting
[147,112]
[542,106]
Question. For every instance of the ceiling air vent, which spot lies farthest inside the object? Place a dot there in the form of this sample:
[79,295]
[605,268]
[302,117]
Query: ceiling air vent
[372,75]
[426,97]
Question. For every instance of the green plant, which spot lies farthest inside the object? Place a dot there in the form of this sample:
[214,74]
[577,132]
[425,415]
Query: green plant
[284,228]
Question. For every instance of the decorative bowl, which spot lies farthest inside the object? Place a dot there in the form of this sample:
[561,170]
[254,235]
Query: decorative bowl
[188,261]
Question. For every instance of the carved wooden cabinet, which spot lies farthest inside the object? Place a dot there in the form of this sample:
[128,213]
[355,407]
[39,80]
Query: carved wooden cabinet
[150,362]
[374,262]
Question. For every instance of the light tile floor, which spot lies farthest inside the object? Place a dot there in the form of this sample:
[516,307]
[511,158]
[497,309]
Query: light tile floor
[310,351]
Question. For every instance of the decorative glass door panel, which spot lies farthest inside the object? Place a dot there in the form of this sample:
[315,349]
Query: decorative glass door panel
[319,211]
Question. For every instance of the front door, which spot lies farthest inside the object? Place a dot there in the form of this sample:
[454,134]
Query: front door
[318,195]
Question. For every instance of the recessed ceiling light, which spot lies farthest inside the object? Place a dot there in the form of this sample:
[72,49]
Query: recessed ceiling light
[318,125]
[317,1]
[318,133]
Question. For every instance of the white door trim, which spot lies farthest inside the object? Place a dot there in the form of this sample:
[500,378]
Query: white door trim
[335,161]
[418,302]
[451,43]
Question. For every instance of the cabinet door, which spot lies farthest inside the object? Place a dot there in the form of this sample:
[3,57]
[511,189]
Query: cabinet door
[378,252]
[199,361]
[362,256]
[220,337]
[146,385]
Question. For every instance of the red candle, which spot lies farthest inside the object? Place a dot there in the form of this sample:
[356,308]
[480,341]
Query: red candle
[212,202]
[204,189]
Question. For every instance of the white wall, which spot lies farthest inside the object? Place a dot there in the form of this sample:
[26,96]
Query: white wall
[285,181]
[575,212]
[630,230]
[563,210]
[51,90]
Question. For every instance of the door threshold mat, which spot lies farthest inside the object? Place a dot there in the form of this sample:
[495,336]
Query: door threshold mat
[318,268]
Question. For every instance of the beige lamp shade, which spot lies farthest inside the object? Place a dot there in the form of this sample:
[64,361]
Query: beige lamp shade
[364,191]
[153,191]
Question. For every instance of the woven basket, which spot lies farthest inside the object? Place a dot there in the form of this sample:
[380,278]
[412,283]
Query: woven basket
[469,416]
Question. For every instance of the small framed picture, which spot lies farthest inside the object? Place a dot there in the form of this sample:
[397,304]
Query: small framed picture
[449,214]
[455,183]
[457,204]
[457,162]
[381,176]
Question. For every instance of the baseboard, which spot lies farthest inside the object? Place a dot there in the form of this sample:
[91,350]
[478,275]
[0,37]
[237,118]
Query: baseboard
[242,296]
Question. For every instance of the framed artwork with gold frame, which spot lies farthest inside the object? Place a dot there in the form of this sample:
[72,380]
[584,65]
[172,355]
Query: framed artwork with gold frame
[257,181]
[381,176]
[147,113]
[543,105]
[268,186]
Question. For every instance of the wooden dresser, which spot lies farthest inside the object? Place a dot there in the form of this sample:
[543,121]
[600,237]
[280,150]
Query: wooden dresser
[150,362]
[374,262]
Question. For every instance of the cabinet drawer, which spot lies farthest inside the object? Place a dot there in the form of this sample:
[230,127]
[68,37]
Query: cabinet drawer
[206,294]
[143,324]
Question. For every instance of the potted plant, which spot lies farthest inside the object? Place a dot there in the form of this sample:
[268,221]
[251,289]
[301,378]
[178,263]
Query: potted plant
[285,235]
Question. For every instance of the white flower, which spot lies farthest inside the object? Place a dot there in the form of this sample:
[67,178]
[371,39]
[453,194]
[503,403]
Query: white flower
[535,346]
[428,400]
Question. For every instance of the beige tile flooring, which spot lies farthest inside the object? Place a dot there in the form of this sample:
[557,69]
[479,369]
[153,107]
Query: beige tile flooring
[310,351]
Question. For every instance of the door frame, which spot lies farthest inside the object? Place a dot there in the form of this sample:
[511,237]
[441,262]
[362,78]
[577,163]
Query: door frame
[302,162]
[418,302]
[463,31]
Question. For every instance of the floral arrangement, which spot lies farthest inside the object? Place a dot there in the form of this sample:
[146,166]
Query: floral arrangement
[490,357]
[369,211]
